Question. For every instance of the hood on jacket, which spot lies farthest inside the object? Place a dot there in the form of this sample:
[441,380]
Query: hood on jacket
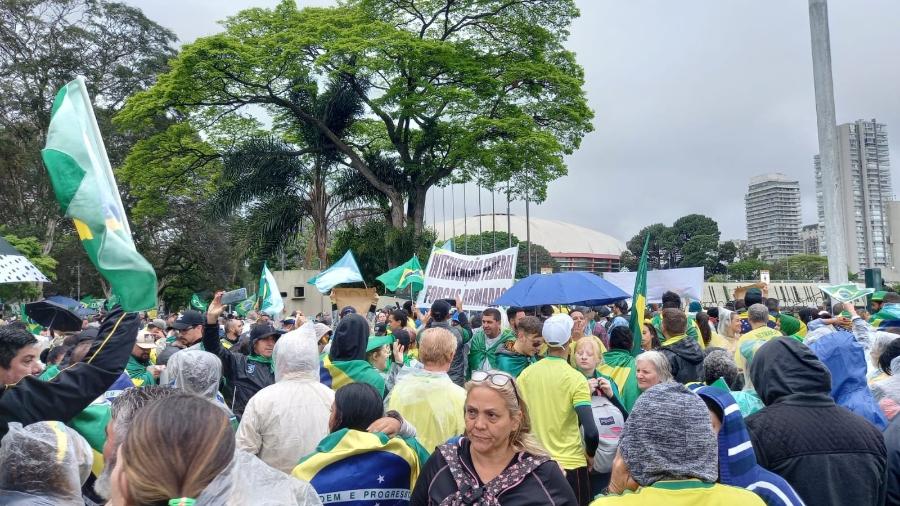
[196,372]
[350,338]
[688,349]
[846,361]
[296,354]
[785,367]
[737,460]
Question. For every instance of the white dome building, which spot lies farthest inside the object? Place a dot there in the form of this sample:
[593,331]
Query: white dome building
[576,248]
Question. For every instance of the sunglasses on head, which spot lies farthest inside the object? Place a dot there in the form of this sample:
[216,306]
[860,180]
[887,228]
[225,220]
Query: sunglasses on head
[497,378]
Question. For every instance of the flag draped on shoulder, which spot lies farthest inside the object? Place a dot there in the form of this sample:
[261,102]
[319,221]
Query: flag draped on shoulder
[269,296]
[363,468]
[402,276]
[86,190]
[338,374]
[343,271]
[639,301]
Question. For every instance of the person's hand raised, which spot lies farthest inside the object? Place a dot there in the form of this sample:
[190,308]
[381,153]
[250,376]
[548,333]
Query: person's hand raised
[215,309]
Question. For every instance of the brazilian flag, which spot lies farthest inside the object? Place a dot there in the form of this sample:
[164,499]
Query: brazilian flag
[86,190]
[402,276]
[91,423]
[352,467]
[639,301]
[344,372]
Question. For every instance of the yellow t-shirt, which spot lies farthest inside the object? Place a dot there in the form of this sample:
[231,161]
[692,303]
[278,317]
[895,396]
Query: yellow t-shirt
[684,493]
[750,342]
[551,390]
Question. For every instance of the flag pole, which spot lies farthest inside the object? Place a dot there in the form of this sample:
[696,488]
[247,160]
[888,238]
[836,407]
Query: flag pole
[105,159]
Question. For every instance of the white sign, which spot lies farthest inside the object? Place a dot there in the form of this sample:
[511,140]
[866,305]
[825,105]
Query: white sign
[688,283]
[476,279]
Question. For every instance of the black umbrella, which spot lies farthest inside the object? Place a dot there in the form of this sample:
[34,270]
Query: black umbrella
[53,316]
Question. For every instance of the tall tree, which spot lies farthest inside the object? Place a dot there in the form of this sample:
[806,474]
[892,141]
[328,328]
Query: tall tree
[482,89]
[43,45]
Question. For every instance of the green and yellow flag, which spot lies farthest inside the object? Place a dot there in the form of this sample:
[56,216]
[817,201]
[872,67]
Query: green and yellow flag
[639,301]
[198,303]
[86,191]
[404,275]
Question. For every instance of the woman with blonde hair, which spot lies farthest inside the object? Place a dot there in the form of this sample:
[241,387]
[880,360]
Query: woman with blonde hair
[167,459]
[498,460]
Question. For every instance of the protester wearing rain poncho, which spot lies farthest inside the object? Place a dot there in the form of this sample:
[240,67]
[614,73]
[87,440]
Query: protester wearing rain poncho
[427,397]
[199,372]
[887,392]
[44,463]
[737,462]
[285,421]
[845,359]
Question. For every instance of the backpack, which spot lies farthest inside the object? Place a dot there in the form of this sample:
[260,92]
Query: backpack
[610,423]
[468,490]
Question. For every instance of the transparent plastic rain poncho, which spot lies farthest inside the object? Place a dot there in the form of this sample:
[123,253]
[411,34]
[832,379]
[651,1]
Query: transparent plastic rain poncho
[432,403]
[248,480]
[296,354]
[195,371]
[45,461]
[887,391]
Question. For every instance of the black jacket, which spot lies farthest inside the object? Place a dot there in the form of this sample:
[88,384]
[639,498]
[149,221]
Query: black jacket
[828,454]
[74,388]
[892,442]
[545,485]
[246,376]
[685,359]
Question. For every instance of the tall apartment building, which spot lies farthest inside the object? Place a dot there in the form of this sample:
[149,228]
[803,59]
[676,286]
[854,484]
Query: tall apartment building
[773,216]
[864,172]
[809,239]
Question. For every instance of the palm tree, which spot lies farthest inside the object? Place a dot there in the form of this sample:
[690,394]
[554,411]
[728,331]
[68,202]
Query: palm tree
[277,184]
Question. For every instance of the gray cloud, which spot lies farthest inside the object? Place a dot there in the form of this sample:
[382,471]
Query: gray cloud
[692,98]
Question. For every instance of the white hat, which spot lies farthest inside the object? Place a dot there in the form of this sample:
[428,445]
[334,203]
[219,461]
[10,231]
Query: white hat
[558,330]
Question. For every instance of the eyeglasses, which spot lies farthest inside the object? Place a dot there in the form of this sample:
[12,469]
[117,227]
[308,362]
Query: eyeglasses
[497,378]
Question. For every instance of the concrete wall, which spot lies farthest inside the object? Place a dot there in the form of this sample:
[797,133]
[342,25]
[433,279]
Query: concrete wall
[310,301]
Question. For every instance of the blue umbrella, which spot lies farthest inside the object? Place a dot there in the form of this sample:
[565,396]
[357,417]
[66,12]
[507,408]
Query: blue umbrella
[582,288]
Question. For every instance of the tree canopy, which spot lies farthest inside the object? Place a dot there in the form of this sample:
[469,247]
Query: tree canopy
[691,241]
[474,89]
[493,241]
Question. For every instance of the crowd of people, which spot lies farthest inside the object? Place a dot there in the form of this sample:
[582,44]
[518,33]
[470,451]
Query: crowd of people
[744,404]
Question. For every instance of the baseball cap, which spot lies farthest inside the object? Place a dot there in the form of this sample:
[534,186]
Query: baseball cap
[289,321]
[145,340]
[376,342]
[347,310]
[440,310]
[558,330]
[188,319]
[264,331]
[878,296]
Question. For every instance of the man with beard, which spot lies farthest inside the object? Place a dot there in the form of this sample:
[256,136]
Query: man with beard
[139,360]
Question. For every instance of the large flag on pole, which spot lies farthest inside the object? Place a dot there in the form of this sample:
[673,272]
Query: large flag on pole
[404,275]
[343,271]
[86,191]
[269,296]
[639,301]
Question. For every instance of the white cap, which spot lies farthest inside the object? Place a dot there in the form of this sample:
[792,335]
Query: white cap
[558,330]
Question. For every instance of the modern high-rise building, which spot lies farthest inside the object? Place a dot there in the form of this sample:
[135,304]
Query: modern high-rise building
[773,216]
[863,167]
[809,239]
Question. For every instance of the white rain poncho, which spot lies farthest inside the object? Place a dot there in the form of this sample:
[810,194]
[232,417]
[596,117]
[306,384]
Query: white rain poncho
[196,372]
[46,462]
[285,421]
[247,480]
[432,403]
[887,392]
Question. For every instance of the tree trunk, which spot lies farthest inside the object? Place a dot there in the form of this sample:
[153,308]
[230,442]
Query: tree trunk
[49,236]
[416,208]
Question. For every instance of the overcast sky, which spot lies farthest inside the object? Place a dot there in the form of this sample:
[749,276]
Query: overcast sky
[691,99]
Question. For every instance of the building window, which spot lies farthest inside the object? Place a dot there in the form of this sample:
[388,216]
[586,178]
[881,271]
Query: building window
[299,292]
